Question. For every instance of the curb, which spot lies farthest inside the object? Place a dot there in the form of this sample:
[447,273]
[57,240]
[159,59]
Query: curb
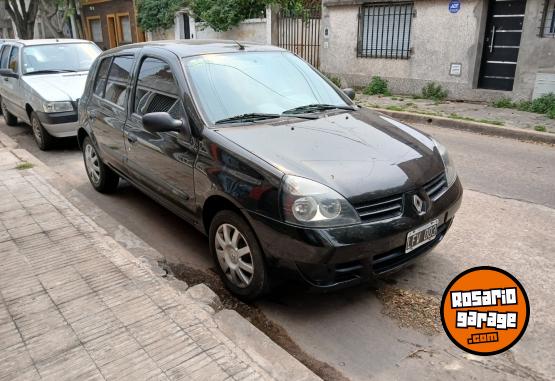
[480,128]
[256,346]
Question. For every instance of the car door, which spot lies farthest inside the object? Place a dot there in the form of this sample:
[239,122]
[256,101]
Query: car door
[107,110]
[17,94]
[164,161]
[4,55]
[13,97]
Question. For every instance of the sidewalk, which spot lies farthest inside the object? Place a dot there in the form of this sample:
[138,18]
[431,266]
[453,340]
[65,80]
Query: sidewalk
[464,112]
[76,305]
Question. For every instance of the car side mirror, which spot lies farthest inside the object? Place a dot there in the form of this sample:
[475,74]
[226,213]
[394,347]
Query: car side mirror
[161,122]
[8,73]
[350,93]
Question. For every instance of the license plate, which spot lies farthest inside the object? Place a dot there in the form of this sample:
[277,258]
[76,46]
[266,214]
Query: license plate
[421,236]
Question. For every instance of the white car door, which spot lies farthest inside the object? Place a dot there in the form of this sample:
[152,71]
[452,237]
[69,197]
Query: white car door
[15,93]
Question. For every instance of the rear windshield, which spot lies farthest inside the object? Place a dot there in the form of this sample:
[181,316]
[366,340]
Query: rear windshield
[59,57]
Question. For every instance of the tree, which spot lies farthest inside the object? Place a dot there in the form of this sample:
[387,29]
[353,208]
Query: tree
[55,13]
[23,16]
[158,14]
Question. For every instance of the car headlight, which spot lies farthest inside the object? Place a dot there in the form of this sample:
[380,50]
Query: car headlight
[308,203]
[450,171]
[57,106]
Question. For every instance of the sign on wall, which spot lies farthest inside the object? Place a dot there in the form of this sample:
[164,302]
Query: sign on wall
[454,6]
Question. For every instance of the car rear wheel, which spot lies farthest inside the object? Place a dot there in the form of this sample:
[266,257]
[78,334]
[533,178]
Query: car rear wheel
[44,140]
[102,178]
[11,120]
[238,255]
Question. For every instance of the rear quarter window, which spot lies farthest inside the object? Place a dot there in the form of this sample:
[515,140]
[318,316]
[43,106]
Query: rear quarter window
[4,56]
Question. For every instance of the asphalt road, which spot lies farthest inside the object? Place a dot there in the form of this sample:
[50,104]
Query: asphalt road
[506,219]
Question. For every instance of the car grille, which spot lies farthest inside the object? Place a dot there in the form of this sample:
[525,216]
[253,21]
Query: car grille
[436,187]
[381,209]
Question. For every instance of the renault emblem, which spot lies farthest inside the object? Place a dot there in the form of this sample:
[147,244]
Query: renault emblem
[419,205]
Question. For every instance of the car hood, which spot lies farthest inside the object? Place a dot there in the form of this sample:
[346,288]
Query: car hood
[58,87]
[361,155]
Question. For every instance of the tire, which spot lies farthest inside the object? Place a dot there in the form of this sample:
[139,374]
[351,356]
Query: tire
[233,266]
[11,120]
[102,178]
[44,140]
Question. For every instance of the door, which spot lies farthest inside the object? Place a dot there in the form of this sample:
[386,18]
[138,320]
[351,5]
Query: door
[108,107]
[5,90]
[299,32]
[14,95]
[112,31]
[501,44]
[163,162]
[186,27]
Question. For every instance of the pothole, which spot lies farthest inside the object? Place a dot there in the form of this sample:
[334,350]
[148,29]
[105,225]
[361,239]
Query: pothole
[253,314]
[411,309]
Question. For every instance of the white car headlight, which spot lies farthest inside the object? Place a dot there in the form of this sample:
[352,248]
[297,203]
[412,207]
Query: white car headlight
[450,171]
[57,106]
[308,203]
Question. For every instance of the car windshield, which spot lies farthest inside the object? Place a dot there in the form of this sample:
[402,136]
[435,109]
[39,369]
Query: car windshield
[59,57]
[243,83]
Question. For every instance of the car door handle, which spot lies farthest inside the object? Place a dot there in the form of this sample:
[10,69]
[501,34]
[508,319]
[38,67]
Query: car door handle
[6,79]
[132,138]
[92,115]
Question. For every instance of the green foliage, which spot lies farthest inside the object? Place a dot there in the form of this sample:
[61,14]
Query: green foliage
[335,80]
[540,128]
[503,103]
[542,105]
[158,14]
[395,108]
[24,165]
[377,85]
[222,15]
[434,91]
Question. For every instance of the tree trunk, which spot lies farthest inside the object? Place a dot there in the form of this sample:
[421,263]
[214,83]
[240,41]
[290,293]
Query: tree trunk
[79,25]
[23,17]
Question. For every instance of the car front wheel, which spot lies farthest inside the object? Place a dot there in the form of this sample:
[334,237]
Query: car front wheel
[238,255]
[102,178]
[44,140]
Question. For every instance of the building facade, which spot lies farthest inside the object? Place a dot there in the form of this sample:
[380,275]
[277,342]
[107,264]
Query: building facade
[111,23]
[476,49]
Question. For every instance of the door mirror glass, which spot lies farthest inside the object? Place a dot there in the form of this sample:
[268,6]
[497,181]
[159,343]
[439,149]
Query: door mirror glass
[161,122]
[8,73]
[350,93]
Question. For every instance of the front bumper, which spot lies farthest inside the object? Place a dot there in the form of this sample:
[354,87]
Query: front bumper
[334,257]
[60,124]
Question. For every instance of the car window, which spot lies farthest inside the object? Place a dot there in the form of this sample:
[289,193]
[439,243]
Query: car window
[102,76]
[59,57]
[13,62]
[4,56]
[118,80]
[157,90]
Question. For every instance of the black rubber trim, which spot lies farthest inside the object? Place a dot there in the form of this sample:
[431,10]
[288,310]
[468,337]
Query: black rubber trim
[57,117]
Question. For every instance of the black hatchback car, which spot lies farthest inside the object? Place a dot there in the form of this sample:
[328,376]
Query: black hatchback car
[262,153]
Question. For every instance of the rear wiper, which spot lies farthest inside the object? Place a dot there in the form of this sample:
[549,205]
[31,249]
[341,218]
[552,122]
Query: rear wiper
[50,71]
[317,107]
[255,116]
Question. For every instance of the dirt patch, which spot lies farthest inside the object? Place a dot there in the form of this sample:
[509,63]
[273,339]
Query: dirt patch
[412,309]
[253,314]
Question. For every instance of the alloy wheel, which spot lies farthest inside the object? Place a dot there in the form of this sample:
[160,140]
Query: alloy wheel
[92,163]
[234,255]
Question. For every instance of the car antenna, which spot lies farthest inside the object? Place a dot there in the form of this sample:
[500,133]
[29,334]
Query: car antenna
[241,47]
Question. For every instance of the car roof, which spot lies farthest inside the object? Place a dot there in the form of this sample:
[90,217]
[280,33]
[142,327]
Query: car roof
[47,41]
[187,48]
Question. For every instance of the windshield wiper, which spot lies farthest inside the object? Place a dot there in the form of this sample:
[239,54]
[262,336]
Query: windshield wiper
[255,116]
[317,107]
[50,71]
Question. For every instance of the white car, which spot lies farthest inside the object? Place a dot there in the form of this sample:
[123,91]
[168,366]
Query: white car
[41,82]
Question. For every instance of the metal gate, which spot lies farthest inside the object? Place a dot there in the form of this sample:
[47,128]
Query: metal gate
[299,32]
[502,44]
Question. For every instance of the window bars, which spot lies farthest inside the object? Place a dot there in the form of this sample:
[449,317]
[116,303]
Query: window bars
[384,30]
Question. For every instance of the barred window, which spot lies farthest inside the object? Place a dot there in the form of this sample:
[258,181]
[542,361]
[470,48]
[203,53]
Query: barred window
[548,28]
[384,30]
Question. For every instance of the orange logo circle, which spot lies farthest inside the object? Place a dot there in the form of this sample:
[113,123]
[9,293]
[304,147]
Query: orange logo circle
[485,310]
